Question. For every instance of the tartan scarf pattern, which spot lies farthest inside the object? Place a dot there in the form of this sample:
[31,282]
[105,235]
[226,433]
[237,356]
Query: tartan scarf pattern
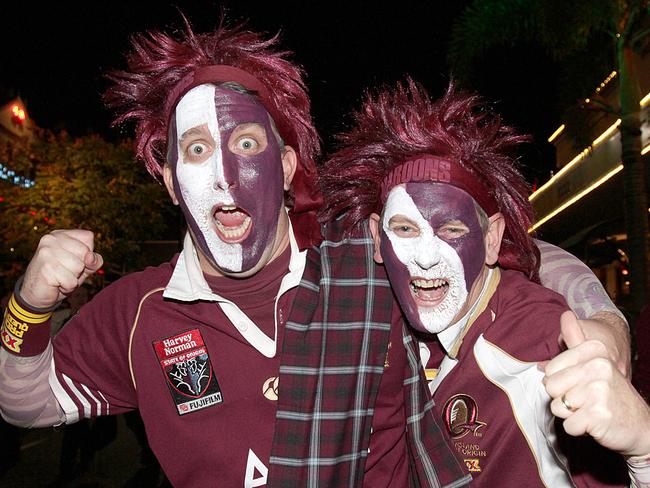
[335,344]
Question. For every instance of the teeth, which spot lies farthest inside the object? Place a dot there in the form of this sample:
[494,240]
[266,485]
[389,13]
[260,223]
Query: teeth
[227,208]
[422,283]
[234,232]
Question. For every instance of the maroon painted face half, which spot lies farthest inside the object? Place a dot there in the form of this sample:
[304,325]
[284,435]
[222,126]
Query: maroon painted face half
[228,176]
[433,247]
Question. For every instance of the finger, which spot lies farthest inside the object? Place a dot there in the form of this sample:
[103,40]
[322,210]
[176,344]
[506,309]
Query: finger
[86,237]
[579,354]
[563,409]
[576,424]
[541,366]
[571,331]
[71,244]
[92,262]
[592,408]
[591,386]
[562,381]
[61,277]
[59,259]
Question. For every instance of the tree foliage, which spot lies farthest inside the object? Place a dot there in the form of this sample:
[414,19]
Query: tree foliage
[85,183]
[587,39]
[571,33]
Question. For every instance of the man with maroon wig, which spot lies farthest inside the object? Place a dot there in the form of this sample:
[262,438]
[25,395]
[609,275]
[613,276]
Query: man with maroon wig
[254,358]
[449,214]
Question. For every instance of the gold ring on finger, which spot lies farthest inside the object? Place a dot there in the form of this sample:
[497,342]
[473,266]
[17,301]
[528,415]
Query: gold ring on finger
[566,404]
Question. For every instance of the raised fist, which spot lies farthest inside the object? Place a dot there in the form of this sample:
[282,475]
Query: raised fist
[61,263]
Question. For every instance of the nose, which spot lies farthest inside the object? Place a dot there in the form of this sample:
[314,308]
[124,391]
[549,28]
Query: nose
[428,255]
[226,171]
[225,177]
[220,183]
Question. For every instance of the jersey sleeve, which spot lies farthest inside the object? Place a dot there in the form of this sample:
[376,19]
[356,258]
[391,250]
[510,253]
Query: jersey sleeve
[26,399]
[639,472]
[90,374]
[567,275]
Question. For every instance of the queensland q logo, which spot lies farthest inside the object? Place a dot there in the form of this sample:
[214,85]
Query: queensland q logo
[460,415]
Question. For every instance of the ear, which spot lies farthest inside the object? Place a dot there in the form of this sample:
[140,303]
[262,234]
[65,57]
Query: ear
[375,223]
[169,182]
[493,237]
[289,165]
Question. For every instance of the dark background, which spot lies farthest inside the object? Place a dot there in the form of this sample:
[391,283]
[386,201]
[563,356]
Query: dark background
[54,56]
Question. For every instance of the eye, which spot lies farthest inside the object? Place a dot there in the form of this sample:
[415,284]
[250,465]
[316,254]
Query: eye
[197,152]
[247,144]
[248,139]
[405,230]
[450,232]
[197,149]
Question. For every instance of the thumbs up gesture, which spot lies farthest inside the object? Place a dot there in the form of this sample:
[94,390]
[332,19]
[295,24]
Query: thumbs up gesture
[593,397]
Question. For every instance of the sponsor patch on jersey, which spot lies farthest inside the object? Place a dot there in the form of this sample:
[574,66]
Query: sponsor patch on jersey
[460,415]
[473,465]
[185,362]
[270,388]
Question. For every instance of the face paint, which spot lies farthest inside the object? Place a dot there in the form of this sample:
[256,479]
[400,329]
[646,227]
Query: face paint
[433,248]
[228,175]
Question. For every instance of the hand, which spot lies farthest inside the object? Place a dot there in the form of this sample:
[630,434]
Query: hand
[593,397]
[61,263]
[613,332]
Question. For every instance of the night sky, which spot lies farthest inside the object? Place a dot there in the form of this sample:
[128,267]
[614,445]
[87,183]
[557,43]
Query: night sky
[55,57]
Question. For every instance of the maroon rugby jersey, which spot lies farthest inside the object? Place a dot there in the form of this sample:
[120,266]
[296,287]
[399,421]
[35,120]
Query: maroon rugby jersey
[492,401]
[205,394]
[203,391]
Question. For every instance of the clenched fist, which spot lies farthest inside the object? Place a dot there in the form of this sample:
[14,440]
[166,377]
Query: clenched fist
[61,263]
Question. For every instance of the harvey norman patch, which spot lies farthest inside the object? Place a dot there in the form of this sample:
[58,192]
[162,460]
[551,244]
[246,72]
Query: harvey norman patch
[185,362]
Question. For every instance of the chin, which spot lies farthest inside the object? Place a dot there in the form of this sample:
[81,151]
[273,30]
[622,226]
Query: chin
[246,273]
[436,319]
[434,323]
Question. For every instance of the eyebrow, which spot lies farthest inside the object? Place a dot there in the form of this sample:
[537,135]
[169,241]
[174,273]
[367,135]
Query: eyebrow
[245,126]
[401,218]
[454,222]
[193,131]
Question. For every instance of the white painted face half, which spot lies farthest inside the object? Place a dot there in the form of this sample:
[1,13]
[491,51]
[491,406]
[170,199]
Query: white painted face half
[426,273]
[202,185]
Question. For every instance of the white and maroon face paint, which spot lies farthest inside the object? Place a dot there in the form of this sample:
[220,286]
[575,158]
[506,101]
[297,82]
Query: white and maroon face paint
[433,248]
[228,175]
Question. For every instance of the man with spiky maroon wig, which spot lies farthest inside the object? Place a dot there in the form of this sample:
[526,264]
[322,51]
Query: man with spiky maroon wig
[253,357]
[437,183]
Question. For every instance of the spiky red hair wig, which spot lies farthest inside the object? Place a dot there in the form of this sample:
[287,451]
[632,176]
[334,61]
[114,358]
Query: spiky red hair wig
[395,125]
[159,61]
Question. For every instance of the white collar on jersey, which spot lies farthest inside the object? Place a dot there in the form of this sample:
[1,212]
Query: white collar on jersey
[188,284]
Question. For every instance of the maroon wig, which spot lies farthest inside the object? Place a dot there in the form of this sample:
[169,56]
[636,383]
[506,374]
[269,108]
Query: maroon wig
[396,125]
[159,62]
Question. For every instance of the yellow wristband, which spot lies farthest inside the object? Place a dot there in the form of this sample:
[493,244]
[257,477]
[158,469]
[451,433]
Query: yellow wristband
[19,323]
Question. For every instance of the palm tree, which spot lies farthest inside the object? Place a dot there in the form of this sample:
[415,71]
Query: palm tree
[563,29]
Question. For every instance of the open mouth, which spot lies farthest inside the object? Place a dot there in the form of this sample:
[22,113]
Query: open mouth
[429,293]
[232,223]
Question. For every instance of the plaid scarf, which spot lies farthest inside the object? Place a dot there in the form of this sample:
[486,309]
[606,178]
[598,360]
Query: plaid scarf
[334,349]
